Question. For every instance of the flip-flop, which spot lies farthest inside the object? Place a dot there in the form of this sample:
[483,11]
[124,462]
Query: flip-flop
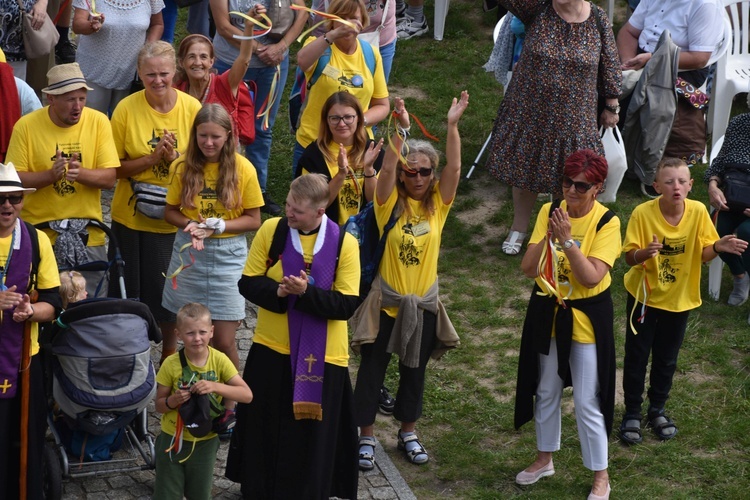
[512,244]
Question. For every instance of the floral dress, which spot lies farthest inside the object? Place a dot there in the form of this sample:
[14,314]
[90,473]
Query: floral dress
[11,36]
[550,108]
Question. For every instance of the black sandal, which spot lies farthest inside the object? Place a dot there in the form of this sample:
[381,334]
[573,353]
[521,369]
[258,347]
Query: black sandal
[661,423]
[631,426]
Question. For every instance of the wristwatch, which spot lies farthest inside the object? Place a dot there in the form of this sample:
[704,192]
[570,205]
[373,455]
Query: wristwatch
[567,244]
[613,109]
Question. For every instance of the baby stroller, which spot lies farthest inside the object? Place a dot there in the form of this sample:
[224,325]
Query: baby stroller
[102,382]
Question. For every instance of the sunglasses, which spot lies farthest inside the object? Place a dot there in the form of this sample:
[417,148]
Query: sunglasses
[336,119]
[424,172]
[581,187]
[14,200]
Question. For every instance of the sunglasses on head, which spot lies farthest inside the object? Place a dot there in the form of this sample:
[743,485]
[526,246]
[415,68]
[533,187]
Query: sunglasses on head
[424,172]
[581,187]
[13,199]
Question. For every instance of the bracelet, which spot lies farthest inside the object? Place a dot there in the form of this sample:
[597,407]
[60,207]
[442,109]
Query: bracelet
[32,312]
[331,43]
[369,176]
[714,247]
[634,256]
[166,403]
[364,119]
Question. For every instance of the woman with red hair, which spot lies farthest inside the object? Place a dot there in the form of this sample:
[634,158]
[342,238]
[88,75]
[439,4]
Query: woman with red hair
[568,336]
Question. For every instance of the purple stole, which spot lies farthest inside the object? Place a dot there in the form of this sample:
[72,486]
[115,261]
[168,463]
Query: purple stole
[308,333]
[11,332]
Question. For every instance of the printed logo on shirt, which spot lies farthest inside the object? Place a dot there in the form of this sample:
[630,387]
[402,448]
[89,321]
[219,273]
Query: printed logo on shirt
[161,169]
[63,187]
[208,207]
[349,198]
[666,272]
[408,252]
[673,246]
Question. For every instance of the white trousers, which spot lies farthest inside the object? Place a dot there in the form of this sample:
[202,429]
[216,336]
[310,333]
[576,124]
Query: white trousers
[592,431]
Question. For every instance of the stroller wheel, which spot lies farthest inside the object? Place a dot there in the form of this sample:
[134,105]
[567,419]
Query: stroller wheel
[52,473]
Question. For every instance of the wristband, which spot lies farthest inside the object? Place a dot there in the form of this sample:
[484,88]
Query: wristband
[635,259]
[327,40]
[714,247]
[369,176]
[166,403]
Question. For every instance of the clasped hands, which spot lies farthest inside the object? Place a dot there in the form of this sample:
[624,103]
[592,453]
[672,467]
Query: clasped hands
[293,285]
[22,302]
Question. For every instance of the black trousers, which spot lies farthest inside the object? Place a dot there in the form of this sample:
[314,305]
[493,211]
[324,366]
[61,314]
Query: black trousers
[661,336]
[372,369]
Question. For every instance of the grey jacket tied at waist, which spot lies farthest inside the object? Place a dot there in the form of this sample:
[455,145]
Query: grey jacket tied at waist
[406,336]
[70,249]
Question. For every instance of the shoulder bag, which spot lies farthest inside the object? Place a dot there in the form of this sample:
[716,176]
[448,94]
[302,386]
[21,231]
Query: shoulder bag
[37,43]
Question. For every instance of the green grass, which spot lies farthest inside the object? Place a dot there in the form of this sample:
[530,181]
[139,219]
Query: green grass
[467,423]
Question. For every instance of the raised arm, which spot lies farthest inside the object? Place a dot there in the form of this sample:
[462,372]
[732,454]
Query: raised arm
[388,171]
[451,173]
[239,68]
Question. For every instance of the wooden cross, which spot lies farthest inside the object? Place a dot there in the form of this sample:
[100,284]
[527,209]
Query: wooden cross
[5,386]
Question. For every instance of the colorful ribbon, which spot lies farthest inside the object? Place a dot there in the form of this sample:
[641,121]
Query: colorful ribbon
[644,287]
[182,265]
[265,28]
[547,272]
[265,109]
[326,17]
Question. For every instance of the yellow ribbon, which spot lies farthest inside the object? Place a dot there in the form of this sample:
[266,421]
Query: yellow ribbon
[326,17]
[182,265]
[265,28]
[645,287]
[547,272]
[265,108]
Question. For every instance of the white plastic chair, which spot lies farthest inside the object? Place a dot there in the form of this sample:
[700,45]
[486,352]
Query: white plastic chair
[732,69]
[716,266]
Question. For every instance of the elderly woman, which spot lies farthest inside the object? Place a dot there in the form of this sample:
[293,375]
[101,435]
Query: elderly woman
[404,302]
[732,220]
[550,108]
[345,155]
[151,128]
[347,70]
[298,438]
[568,334]
[115,28]
[196,76]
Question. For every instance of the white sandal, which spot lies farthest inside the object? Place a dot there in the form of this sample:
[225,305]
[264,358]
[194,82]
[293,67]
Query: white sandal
[512,244]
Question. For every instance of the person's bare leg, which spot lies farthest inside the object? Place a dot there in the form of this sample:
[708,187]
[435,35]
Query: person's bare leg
[601,481]
[523,204]
[225,341]
[542,459]
[168,340]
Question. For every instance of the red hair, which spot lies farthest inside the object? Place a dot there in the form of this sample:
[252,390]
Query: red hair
[588,162]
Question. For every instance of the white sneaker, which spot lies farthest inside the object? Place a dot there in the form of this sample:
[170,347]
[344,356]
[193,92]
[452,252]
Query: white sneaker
[410,29]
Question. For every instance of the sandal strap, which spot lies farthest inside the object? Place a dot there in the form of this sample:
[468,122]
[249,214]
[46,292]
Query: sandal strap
[367,441]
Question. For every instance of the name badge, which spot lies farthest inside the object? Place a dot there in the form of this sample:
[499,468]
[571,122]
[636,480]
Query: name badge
[331,72]
[421,229]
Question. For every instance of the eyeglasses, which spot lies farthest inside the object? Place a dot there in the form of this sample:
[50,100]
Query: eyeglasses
[336,119]
[424,172]
[581,187]
[14,200]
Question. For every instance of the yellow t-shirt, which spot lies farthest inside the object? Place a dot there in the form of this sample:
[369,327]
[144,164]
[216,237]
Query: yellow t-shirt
[33,147]
[349,197]
[137,129]
[272,329]
[675,274]
[345,72]
[218,368]
[604,245]
[207,204]
[410,259]
[47,275]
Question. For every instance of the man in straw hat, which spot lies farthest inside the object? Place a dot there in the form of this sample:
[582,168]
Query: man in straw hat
[27,266]
[66,152]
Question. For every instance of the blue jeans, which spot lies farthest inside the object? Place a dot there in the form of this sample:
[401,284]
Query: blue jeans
[386,53]
[260,150]
[170,19]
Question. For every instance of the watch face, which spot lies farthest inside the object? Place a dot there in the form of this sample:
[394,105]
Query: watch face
[568,243]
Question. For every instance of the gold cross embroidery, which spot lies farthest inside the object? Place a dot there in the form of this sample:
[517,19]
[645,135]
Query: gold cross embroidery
[310,360]
[5,386]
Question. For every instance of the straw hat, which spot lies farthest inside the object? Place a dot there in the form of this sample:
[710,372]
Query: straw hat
[9,180]
[65,78]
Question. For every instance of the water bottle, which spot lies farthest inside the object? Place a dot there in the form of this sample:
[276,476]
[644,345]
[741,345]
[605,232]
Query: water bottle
[353,229]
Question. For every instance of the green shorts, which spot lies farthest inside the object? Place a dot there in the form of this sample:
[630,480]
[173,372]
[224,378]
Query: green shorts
[192,478]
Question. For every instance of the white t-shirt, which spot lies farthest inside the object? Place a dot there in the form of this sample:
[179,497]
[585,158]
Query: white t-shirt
[695,25]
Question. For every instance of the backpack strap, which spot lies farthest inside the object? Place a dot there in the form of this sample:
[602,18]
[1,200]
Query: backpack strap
[35,256]
[277,243]
[324,59]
